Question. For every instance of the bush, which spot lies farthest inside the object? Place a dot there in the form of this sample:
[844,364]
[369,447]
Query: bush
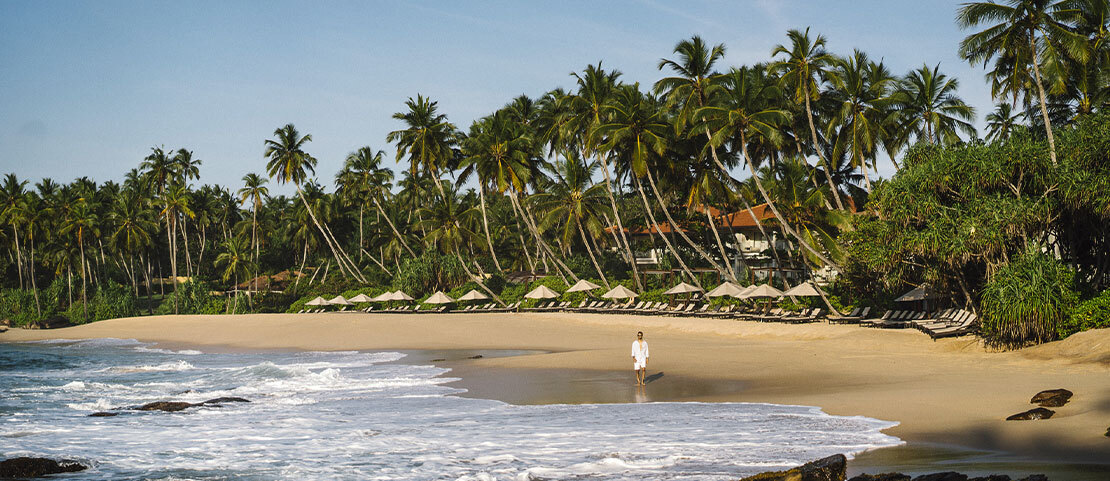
[192,297]
[112,301]
[18,306]
[428,273]
[1027,300]
[1093,313]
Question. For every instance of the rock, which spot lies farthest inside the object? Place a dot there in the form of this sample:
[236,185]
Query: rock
[51,323]
[221,400]
[438,360]
[882,477]
[103,414]
[992,477]
[36,467]
[1052,398]
[945,476]
[1032,414]
[832,468]
[1035,477]
[168,406]
[479,356]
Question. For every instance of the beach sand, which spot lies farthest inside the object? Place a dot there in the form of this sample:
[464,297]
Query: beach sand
[947,392]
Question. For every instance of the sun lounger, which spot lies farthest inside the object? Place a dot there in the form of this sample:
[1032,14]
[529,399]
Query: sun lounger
[941,320]
[858,314]
[968,326]
[888,315]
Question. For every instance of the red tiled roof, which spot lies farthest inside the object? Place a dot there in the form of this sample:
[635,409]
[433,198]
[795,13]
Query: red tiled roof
[738,219]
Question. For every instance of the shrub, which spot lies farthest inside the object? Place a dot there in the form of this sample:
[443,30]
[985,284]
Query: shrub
[18,306]
[1093,313]
[1027,300]
[112,301]
[193,297]
[428,273]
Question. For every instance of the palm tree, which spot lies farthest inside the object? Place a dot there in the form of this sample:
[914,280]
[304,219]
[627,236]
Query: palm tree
[804,64]
[254,190]
[82,223]
[930,108]
[132,231]
[176,205]
[290,163]
[448,223]
[1024,32]
[573,205]
[749,112]
[863,89]
[236,260]
[11,199]
[428,139]
[363,175]
[1002,122]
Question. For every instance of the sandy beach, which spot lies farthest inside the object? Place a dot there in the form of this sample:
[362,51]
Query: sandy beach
[951,391]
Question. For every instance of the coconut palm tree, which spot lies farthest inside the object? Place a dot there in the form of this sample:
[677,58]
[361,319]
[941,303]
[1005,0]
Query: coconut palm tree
[862,89]
[11,203]
[1002,122]
[290,163]
[804,64]
[930,109]
[175,201]
[448,223]
[132,228]
[254,191]
[573,204]
[236,261]
[364,176]
[1024,32]
[82,223]
[429,139]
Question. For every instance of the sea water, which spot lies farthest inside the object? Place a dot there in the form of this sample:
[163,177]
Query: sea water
[364,415]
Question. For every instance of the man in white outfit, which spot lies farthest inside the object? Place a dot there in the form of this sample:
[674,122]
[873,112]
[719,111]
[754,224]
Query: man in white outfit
[639,358]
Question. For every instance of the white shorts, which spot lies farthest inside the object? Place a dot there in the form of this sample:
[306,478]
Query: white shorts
[637,365]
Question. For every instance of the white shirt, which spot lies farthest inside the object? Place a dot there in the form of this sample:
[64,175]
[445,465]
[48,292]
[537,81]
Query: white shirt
[640,350]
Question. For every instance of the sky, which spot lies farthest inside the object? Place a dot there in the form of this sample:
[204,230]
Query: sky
[88,87]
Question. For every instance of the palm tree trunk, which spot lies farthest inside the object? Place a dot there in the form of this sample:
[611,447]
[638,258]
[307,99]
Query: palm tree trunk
[18,256]
[620,226]
[375,260]
[173,256]
[360,238]
[34,286]
[729,272]
[485,227]
[300,273]
[524,245]
[327,238]
[393,227]
[590,251]
[351,264]
[185,239]
[477,280]
[149,287]
[1044,102]
[651,215]
[539,238]
[681,232]
[766,198]
[254,242]
[84,290]
[817,148]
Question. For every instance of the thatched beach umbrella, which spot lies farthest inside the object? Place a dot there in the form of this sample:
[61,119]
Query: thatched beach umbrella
[473,295]
[619,292]
[726,289]
[439,298]
[339,301]
[583,285]
[542,292]
[683,288]
[361,298]
[804,289]
[318,301]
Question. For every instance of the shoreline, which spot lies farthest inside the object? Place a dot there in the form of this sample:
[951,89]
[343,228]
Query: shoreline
[949,392]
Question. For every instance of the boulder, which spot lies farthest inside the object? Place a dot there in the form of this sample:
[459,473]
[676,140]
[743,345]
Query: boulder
[168,406]
[992,477]
[479,356]
[1052,398]
[832,468]
[221,400]
[1032,414]
[881,477]
[103,414]
[945,476]
[36,467]
[1035,477]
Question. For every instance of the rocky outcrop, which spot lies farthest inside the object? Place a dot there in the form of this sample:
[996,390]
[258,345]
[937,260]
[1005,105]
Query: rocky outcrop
[832,468]
[221,400]
[1032,414]
[172,406]
[168,406]
[18,468]
[881,477]
[945,476]
[1052,398]
[103,414]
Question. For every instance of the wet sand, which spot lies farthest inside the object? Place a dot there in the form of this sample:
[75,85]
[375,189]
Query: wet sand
[950,393]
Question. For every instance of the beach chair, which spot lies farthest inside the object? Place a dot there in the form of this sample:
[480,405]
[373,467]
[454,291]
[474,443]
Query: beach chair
[809,315]
[898,322]
[967,326]
[858,314]
[886,316]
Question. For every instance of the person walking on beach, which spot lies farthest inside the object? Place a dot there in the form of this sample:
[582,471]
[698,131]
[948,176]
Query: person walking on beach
[639,358]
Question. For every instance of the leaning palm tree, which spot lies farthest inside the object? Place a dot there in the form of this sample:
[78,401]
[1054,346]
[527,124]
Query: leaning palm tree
[290,163]
[931,109]
[428,139]
[573,204]
[801,69]
[1002,122]
[448,223]
[363,176]
[254,191]
[1026,32]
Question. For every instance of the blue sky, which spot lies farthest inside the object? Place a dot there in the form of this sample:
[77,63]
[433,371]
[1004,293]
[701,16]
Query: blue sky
[86,88]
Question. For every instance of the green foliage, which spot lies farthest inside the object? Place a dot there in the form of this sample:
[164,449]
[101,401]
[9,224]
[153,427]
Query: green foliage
[193,297]
[1093,313]
[1027,300]
[428,273]
[112,301]
[18,306]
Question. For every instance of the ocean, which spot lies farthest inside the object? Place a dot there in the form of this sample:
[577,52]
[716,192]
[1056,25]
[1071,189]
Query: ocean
[371,416]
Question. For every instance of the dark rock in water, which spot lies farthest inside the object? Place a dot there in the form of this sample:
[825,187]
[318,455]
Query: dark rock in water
[993,477]
[1035,413]
[103,414]
[1052,398]
[475,357]
[1035,477]
[945,476]
[832,468]
[882,477]
[168,406]
[438,360]
[36,467]
[221,400]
